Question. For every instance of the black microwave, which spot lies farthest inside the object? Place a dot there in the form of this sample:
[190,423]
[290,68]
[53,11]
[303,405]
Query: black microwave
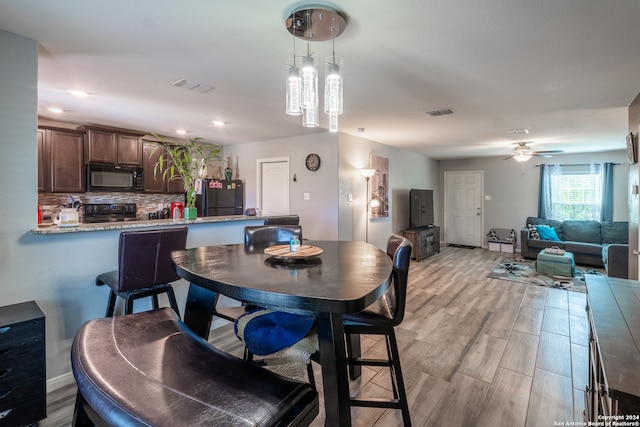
[114,178]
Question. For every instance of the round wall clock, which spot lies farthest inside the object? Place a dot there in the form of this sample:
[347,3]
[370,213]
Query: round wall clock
[313,162]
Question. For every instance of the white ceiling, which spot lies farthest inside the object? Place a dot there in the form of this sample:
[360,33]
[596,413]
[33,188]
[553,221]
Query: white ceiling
[565,69]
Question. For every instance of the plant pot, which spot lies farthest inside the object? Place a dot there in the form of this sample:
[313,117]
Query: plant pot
[190,213]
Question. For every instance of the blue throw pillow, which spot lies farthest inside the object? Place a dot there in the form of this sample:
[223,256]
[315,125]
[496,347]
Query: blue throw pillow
[547,233]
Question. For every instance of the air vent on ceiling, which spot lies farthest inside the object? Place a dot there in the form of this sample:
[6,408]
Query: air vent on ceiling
[440,112]
[189,85]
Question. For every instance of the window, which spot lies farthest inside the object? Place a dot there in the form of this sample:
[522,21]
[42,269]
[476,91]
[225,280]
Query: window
[573,192]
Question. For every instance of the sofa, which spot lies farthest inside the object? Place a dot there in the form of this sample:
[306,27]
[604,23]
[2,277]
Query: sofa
[600,244]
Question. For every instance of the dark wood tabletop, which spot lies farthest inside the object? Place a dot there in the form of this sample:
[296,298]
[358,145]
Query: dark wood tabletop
[347,277]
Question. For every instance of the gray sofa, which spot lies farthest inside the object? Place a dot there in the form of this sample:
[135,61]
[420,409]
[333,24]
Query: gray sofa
[591,242]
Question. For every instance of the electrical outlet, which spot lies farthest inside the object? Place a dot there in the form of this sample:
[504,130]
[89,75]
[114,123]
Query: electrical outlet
[350,197]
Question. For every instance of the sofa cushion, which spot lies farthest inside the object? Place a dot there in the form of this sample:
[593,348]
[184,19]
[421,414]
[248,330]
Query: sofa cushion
[614,232]
[592,249]
[582,231]
[547,232]
[542,244]
[557,225]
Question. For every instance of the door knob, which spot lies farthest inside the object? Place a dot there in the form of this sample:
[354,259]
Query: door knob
[636,252]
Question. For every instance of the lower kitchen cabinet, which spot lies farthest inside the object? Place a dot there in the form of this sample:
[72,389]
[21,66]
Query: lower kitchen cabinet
[23,399]
[425,241]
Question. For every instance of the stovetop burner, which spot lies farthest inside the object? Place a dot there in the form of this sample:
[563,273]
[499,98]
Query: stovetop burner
[108,212]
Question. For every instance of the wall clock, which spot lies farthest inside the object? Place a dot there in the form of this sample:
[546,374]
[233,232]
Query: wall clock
[313,162]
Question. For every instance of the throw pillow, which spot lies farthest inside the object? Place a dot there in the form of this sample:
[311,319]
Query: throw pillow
[547,233]
[533,232]
[492,235]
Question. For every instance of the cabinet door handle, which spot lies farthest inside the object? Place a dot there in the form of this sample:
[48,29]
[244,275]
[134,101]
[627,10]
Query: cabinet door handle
[636,252]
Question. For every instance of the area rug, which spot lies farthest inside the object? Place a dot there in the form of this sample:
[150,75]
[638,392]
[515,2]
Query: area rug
[524,271]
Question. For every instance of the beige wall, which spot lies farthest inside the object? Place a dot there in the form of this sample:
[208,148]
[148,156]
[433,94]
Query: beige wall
[514,190]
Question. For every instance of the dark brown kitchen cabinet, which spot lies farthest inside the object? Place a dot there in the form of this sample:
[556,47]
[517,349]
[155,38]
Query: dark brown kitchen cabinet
[111,147]
[23,396]
[155,183]
[44,180]
[61,161]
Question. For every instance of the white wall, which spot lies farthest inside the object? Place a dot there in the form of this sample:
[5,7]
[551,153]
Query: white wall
[319,214]
[406,171]
[514,190]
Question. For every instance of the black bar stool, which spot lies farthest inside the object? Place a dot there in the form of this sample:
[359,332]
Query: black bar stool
[145,268]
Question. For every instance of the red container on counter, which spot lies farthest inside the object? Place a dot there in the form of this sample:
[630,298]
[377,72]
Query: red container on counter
[176,210]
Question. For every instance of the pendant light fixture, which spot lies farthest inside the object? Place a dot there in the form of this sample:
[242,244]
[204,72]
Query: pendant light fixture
[312,23]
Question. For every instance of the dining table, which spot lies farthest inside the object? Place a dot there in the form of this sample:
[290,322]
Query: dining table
[338,277]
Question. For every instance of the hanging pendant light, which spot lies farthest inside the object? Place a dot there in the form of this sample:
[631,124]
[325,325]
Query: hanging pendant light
[293,86]
[315,24]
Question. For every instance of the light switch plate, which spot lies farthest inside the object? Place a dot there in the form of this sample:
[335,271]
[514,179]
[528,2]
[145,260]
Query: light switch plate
[307,196]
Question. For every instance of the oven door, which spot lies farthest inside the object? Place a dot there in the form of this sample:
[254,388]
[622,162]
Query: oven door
[113,178]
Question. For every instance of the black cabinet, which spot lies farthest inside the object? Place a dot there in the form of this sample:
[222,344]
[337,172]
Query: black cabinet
[425,241]
[23,397]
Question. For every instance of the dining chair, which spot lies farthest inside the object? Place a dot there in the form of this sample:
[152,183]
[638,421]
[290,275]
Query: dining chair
[381,318]
[145,268]
[257,238]
[282,220]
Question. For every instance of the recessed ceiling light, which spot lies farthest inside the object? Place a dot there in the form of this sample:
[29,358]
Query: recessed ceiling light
[181,132]
[56,110]
[360,129]
[218,123]
[79,93]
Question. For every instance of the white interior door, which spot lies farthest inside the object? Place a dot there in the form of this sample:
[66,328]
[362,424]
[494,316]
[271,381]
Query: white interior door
[463,208]
[273,185]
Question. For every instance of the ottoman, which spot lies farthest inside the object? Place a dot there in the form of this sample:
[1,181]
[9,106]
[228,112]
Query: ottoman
[556,265]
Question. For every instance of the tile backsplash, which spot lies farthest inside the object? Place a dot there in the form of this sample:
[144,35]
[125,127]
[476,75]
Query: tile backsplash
[146,203]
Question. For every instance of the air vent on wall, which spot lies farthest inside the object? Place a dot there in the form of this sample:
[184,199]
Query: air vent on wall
[189,85]
[440,112]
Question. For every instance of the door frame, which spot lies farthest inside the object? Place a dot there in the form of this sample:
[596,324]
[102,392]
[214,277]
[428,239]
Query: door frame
[259,163]
[445,216]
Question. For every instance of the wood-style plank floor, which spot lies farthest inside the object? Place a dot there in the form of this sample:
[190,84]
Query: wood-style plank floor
[475,351]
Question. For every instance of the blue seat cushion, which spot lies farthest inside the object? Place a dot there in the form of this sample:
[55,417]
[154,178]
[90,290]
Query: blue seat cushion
[267,331]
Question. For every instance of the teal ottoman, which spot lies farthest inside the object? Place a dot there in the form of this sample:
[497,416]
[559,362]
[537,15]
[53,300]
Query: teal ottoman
[556,265]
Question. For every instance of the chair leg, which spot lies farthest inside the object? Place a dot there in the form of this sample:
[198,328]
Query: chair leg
[111,305]
[353,352]
[402,394]
[312,378]
[129,304]
[172,299]
[156,304]
[80,417]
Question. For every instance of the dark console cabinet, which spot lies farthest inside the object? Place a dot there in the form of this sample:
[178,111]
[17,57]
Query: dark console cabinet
[425,241]
[23,399]
[613,307]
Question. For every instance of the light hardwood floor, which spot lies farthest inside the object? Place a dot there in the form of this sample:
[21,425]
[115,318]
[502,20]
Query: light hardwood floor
[474,351]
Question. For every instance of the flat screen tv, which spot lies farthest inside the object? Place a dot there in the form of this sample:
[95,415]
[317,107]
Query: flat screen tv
[421,208]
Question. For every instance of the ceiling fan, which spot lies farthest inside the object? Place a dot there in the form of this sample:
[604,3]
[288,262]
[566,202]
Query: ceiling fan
[523,152]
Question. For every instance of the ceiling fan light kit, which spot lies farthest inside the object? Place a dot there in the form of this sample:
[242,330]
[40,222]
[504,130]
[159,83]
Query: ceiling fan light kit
[314,23]
[523,152]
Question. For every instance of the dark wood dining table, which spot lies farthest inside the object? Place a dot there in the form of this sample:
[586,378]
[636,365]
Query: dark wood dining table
[345,278]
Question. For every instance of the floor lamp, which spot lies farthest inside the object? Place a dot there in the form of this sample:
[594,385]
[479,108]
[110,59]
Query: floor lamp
[367,173]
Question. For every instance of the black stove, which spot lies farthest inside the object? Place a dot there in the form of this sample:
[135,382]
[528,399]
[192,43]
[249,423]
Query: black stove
[108,212]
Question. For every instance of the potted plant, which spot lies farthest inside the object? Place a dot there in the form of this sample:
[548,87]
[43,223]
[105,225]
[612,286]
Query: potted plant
[188,161]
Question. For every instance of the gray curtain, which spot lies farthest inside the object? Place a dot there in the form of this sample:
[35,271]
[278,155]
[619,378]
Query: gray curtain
[606,212]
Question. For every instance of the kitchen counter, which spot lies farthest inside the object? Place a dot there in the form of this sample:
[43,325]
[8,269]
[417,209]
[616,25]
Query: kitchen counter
[54,229]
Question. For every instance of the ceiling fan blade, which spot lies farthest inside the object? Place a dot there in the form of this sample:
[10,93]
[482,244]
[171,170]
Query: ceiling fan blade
[543,155]
[549,152]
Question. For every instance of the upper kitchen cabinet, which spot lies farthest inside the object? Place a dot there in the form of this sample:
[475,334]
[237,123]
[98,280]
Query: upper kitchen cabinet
[60,160]
[111,146]
[156,183]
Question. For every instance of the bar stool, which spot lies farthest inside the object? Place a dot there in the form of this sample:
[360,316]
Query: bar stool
[380,318]
[145,268]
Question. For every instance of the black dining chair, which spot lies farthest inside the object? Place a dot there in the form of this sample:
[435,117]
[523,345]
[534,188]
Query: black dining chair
[145,268]
[381,318]
[256,238]
[282,220]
